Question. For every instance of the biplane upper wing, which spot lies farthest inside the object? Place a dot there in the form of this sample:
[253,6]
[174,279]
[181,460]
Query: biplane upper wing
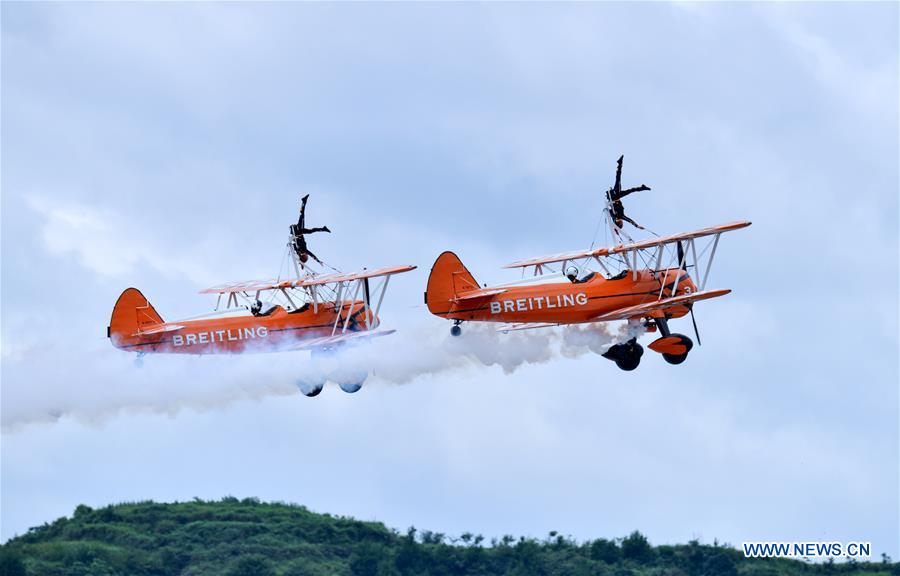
[644,244]
[674,238]
[341,277]
[247,286]
[644,309]
[260,285]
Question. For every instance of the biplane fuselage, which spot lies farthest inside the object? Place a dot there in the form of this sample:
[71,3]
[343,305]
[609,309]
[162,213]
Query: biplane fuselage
[553,299]
[305,319]
[636,286]
[136,327]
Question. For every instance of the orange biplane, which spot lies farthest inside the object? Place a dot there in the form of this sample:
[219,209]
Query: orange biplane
[316,312]
[646,283]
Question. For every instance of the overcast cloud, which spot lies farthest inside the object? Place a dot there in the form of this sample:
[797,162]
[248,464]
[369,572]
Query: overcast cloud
[165,146]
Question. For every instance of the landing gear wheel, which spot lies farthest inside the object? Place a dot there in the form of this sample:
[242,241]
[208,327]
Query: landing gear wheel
[349,379]
[312,392]
[627,356]
[679,358]
[629,363]
[455,330]
[673,359]
[311,385]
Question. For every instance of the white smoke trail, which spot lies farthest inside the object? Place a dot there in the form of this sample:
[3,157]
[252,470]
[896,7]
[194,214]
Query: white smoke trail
[46,383]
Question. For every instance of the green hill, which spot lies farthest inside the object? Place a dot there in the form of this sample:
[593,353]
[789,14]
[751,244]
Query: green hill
[235,537]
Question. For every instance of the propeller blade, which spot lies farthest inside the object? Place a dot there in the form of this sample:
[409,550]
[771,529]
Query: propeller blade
[694,321]
[681,260]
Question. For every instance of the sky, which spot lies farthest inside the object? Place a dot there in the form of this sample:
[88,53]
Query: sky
[165,146]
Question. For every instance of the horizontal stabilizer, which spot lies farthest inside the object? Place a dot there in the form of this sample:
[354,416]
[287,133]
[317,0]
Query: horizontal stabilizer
[477,294]
[161,329]
[644,309]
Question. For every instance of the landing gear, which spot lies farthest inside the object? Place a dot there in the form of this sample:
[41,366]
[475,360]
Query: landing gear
[674,359]
[682,342]
[311,385]
[456,330]
[627,356]
[673,347]
[312,391]
[349,379]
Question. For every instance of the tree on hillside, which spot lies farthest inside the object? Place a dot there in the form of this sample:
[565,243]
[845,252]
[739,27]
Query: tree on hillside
[636,547]
[11,563]
[251,566]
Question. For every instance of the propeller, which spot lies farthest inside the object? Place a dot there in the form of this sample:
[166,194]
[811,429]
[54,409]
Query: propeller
[694,322]
[682,262]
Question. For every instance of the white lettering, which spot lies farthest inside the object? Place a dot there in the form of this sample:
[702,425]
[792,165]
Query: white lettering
[191,339]
[203,338]
[231,336]
[539,303]
[262,331]
[221,334]
[178,340]
[249,333]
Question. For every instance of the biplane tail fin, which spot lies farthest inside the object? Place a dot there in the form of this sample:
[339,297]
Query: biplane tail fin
[449,277]
[132,314]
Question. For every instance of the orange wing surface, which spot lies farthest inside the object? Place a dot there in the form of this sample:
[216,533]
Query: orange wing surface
[644,309]
[577,255]
[260,285]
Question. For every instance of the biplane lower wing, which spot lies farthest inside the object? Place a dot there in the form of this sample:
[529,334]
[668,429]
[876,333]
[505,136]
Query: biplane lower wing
[526,326]
[644,309]
[623,313]
[337,339]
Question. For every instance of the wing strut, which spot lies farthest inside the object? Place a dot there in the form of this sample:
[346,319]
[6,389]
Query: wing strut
[709,264]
